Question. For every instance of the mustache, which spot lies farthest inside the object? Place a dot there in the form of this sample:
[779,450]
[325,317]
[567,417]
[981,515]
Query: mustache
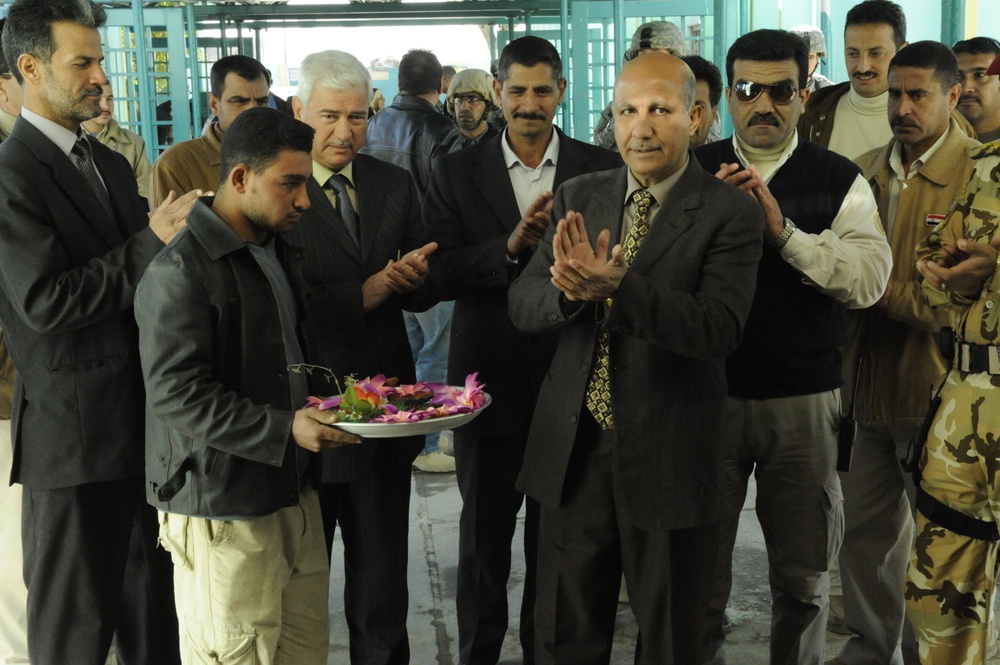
[969,98]
[92,91]
[525,115]
[901,122]
[858,75]
[337,143]
[763,119]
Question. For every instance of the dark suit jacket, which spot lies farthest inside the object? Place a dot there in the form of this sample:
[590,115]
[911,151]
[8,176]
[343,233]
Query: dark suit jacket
[678,312]
[470,211]
[350,340]
[68,275]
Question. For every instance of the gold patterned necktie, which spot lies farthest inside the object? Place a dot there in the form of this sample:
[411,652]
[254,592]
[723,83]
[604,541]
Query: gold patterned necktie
[599,386]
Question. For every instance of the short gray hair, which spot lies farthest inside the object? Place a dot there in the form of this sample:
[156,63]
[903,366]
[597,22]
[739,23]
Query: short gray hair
[335,70]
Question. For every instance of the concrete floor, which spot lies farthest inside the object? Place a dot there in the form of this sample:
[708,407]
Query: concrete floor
[435,506]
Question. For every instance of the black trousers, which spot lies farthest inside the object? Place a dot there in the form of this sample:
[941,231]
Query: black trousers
[93,570]
[373,514]
[587,542]
[487,468]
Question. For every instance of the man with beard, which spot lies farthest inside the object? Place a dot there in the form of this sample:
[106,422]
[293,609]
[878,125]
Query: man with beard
[471,99]
[825,251]
[75,238]
[13,595]
[980,100]
[228,440]
[893,349]
[850,118]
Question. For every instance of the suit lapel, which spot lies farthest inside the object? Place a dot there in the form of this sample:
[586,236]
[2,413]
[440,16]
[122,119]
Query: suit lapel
[572,161]
[493,182]
[673,218]
[71,182]
[330,222]
[370,203]
[604,210]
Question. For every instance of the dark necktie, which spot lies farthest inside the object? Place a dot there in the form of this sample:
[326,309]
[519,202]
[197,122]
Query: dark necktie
[338,183]
[599,386]
[85,163]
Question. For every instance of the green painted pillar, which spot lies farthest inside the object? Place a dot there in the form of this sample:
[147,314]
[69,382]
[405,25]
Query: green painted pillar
[952,21]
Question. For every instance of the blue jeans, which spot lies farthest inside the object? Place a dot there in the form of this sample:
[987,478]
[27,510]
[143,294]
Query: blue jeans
[430,335]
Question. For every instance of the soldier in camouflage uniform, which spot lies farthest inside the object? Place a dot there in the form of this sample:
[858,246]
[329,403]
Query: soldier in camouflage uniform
[951,576]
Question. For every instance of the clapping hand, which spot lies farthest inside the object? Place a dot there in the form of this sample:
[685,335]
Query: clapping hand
[581,271]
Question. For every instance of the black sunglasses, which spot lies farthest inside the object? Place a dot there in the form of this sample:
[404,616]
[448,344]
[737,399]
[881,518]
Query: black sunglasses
[780,93]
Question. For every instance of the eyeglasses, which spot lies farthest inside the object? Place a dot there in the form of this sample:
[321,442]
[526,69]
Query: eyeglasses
[780,93]
[471,100]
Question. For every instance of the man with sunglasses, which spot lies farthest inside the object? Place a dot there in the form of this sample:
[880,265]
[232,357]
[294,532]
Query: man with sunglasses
[824,251]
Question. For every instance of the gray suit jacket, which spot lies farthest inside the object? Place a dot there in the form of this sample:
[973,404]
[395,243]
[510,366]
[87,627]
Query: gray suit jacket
[68,274]
[350,340]
[678,312]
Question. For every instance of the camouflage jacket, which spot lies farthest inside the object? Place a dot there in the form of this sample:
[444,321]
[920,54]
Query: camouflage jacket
[974,215]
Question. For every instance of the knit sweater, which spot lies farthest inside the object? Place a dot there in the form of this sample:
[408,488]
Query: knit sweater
[791,338]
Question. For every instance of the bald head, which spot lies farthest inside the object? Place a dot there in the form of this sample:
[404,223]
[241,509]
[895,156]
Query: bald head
[665,67]
[655,115]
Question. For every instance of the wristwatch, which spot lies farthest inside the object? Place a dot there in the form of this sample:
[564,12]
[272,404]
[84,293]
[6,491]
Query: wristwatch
[785,234]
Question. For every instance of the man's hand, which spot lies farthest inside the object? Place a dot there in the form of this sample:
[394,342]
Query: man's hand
[750,181]
[407,274]
[311,430]
[401,276]
[735,175]
[963,267]
[532,228]
[883,302]
[171,216]
[580,271]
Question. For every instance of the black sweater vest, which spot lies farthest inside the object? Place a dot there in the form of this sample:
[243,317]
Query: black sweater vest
[791,338]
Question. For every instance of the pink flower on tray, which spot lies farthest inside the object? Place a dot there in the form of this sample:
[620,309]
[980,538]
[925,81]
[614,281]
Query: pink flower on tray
[379,400]
[324,404]
[458,400]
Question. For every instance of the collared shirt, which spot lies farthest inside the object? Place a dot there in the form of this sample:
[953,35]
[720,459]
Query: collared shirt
[897,184]
[62,137]
[321,174]
[658,191]
[530,183]
[851,260]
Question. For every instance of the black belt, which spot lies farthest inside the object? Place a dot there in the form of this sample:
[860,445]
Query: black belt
[954,521]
